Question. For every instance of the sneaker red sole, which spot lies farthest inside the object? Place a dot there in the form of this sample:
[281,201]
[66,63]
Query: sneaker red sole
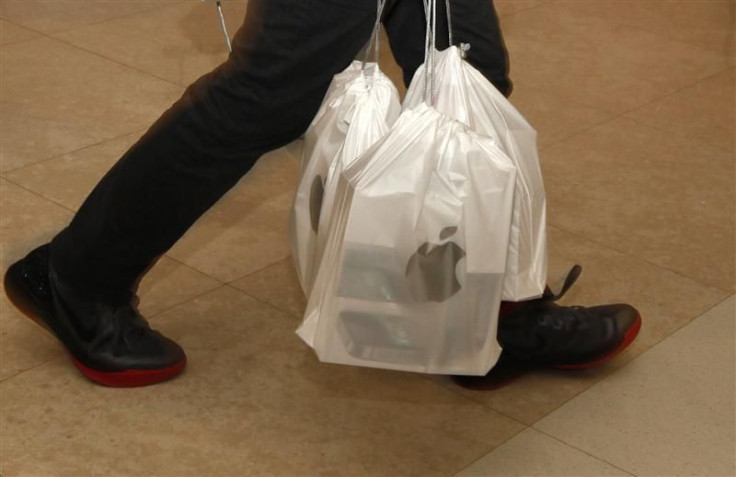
[130,378]
[118,379]
[629,338]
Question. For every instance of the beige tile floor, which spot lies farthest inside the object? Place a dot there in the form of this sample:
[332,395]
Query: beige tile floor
[634,103]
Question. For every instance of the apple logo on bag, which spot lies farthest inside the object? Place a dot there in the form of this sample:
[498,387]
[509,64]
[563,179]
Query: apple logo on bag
[430,272]
[316,194]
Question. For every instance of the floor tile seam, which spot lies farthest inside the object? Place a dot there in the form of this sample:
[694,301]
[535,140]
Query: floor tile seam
[608,22]
[665,129]
[91,23]
[72,151]
[625,365]
[184,301]
[259,300]
[119,63]
[684,87]
[638,258]
[260,269]
[455,389]
[23,371]
[614,116]
[618,115]
[50,35]
[598,380]
[424,377]
[532,7]
[498,446]
[598,458]
[556,142]
[680,89]
[40,196]
[24,27]
[190,267]
[288,151]
[689,138]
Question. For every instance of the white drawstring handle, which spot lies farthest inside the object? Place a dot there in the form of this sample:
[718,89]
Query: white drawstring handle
[223,27]
[430,40]
[374,43]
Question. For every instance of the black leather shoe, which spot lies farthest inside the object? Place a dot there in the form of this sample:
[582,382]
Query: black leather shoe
[111,345]
[541,332]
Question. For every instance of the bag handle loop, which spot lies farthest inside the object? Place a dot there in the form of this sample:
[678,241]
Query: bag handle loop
[374,43]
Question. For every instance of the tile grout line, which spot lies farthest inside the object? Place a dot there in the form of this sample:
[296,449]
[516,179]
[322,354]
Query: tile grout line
[23,371]
[67,209]
[428,380]
[423,377]
[51,36]
[455,389]
[644,352]
[97,22]
[584,452]
[119,63]
[276,262]
[78,27]
[73,151]
[617,116]
[655,33]
[270,305]
[629,363]
[523,10]
[642,259]
[185,300]
[504,441]
[648,350]
[595,383]
[663,129]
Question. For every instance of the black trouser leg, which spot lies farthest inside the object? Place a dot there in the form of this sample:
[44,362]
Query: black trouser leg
[473,21]
[263,97]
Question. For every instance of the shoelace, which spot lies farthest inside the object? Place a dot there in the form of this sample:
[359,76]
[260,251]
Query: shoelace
[574,317]
[570,279]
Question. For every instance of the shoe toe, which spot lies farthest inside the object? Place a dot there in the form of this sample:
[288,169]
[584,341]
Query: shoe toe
[174,352]
[626,317]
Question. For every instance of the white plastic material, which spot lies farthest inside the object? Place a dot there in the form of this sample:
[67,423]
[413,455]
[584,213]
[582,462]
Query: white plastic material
[463,93]
[413,267]
[358,109]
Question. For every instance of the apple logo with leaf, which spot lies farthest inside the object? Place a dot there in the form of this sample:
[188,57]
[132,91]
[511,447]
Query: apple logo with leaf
[316,195]
[430,271]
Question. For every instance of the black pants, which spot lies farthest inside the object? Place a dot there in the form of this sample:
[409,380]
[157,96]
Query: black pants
[263,97]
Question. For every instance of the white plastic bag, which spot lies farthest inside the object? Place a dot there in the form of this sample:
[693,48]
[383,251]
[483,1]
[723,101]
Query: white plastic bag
[413,268]
[359,107]
[463,93]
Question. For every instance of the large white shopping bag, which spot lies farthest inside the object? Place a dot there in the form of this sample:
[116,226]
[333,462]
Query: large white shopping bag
[359,107]
[463,93]
[413,268]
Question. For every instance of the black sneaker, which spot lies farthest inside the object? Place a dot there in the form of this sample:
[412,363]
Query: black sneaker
[542,334]
[110,345]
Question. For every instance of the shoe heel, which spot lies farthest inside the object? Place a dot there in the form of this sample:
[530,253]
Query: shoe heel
[16,292]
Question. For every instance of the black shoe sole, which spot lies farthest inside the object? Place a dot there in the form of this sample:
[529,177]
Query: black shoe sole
[17,292]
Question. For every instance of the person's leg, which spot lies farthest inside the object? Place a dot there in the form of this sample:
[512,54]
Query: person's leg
[263,97]
[473,21]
